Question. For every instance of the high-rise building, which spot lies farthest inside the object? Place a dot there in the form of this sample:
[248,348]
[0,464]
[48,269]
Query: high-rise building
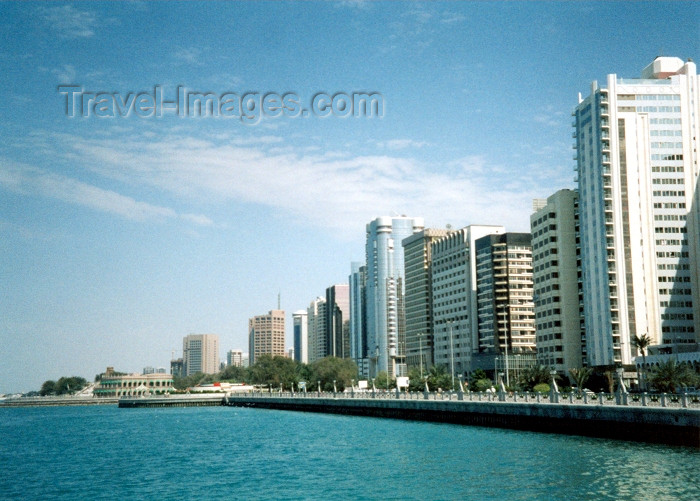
[637,143]
[454,297]
[557,294]
[234,358]
[385,292]
[316,327]
[358,319]
[266,335]
[200,353]
[337,342]
[301,336]
[419,298]
[506,312]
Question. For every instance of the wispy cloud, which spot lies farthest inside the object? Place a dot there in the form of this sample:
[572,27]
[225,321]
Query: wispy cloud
[28,180]
[337,192]
[189,55]
[400,144]
[69,22]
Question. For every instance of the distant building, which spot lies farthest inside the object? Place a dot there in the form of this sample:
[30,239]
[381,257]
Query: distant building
[266,335]
[177,367]
[337,342]
[200,353]
[301,336]
[113,385]
[358,320]
[316,328]
[385,293]
[234,358]
[418,301]
[558,295]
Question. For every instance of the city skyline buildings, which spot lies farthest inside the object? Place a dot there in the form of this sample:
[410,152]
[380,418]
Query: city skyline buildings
[266,335]
[93,223]
[200,353]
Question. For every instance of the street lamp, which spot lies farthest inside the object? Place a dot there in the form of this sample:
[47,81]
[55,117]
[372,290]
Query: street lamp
[452,355]
[420,341]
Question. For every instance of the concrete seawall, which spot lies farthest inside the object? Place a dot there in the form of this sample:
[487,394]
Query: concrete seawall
[642,424]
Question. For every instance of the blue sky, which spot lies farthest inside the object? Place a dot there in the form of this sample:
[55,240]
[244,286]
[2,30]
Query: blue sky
[119,236]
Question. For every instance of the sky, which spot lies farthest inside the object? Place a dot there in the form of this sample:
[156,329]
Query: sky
[121,234]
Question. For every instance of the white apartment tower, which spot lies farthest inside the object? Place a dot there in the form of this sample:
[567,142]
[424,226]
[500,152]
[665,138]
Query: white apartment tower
[637,144]
[316,329]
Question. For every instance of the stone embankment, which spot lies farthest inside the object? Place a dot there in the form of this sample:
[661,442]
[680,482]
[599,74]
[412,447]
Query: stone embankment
[675,421]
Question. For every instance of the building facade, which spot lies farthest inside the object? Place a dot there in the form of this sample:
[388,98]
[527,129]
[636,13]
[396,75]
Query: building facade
[385,292]
[506,311]
[200,353]
[132,385]
[337,341]
[266,335]
[419,298]
[637,143]
[234,358]
[454,295]
[558,294]
[316,327]
[358,320]
[301,336]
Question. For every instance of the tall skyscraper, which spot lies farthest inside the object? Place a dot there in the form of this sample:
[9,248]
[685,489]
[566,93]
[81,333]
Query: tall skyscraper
[637,143]
[266,335]
[301,336]
[316,327]
[200,353]
[506,312]
[454,295]
[556,270]
[385,292]
[337,342]
[358,319]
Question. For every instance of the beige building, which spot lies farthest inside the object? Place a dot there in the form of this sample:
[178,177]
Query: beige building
[200,353]
[117,385]
[266,335]
[558,291]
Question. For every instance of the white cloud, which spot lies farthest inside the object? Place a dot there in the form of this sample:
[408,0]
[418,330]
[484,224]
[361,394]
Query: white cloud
[69,22]
[337,192]
[189,55]
[400,144]
[29,180]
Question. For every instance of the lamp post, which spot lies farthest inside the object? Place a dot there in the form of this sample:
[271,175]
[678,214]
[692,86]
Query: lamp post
[420,341]
[452,355]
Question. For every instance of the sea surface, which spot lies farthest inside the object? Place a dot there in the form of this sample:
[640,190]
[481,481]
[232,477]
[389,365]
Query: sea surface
[202,453]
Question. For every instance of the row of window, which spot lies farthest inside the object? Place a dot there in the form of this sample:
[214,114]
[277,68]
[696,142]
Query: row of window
[669,193]
[675,292]
[669,205]
[667,168]
[671,241]
[665,180]
[670,229]
[674,279]
[674,266]
[670,217]
[666,133]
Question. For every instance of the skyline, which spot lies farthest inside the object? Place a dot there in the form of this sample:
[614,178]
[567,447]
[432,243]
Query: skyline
[121,236]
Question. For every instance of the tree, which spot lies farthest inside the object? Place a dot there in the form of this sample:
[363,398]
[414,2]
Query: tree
[479,381]
[642,343]
[415,382]
[274,371]
[48,388]
[64,386]
[580,376]
[329,369]
[383,381]
[532,376]
[438,377]
[669,376]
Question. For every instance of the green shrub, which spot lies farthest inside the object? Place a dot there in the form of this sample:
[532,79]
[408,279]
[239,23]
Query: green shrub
[541,388]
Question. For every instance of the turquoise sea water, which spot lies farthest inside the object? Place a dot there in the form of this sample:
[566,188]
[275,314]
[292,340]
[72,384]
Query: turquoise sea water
[103,452]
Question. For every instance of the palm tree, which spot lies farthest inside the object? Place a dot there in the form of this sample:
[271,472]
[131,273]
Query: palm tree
[642,343]
[670,376]
[580,376]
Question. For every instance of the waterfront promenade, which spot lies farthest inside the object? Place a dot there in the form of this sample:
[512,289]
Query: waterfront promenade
[660,418]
